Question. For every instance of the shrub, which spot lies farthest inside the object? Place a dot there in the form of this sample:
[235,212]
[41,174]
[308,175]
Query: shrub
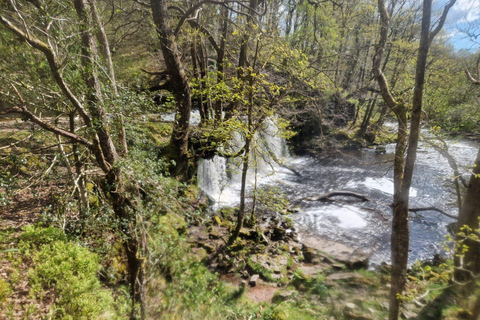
[71,271]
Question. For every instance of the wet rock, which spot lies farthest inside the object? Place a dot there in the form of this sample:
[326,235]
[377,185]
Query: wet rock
[283,296]
[253,280]
[370,137]
[293,210]
[380,150]
[293,235]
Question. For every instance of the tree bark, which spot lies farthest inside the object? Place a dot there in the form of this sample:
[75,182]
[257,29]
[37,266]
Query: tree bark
[469,216]
[179,85]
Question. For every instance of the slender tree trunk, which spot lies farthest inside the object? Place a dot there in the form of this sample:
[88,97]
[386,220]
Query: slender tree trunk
[404,167]
[241,210]
[221,63]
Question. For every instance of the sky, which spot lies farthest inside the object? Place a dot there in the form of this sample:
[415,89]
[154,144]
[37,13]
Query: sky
[464,15]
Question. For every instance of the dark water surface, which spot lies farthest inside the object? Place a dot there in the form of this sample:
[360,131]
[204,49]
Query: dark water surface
[367,225]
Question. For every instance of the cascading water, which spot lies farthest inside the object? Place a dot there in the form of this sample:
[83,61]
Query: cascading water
[220,177]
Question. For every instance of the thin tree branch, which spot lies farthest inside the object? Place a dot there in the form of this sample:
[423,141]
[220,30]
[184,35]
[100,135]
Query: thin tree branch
[22,109]
[441,22]
[52,62]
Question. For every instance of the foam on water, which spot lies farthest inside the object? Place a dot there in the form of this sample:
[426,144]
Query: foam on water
[345,217]
[384,184]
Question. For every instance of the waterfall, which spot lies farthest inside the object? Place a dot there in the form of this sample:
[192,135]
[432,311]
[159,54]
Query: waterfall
[220,177]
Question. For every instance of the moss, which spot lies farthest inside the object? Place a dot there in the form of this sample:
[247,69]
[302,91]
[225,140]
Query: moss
[71,271]
[288,311]
[257,268]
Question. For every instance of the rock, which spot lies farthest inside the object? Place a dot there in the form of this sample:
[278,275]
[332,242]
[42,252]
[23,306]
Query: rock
[278,233]
[296,250]
[338,266]
[352,258]
[213,235]
[249,234]
[349,307]
[253,280]
[353,316]
[276,276]
[407,314]
[342,276]
[283,296]
[308,254]
[209,248]
[380,150]
[238,245]
[310,271]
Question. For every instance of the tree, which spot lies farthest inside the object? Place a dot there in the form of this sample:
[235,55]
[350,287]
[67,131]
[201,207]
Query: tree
[41,28]
[407,142]
[468,217]
[179,86]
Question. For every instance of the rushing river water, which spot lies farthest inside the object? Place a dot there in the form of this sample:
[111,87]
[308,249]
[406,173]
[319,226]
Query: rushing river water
[361,225]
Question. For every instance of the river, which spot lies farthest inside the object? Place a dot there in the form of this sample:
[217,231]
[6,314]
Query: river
[361,225]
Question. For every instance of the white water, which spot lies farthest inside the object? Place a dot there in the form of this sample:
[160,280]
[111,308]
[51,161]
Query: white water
[220,178]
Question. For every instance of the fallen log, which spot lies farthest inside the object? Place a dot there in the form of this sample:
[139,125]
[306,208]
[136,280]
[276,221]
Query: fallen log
[326,196]
[433,209]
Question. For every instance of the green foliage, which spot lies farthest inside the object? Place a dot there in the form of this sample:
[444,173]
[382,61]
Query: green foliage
[72,272]
[35,236]
[272,198]
[4,290]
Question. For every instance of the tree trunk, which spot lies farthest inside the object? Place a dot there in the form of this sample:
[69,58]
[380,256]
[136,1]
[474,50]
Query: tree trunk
[123,208]
[468,216]
[180,87]
[404,167]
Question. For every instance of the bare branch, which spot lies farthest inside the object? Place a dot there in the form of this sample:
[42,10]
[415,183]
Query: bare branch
[52,62]
[22,109]
[433,209]
[193,9]
[441,21]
